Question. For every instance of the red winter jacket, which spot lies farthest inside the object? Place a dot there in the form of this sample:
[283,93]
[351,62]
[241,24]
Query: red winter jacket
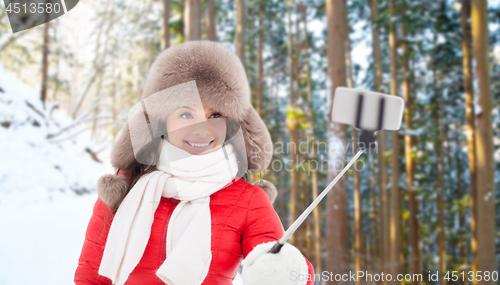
[242,217]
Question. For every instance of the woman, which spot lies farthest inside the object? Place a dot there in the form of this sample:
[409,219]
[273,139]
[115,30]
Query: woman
[178,212]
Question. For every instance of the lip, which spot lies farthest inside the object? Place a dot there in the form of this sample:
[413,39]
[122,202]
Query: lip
[199,149]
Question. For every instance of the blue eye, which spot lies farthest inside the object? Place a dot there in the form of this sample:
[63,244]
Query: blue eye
[186,113]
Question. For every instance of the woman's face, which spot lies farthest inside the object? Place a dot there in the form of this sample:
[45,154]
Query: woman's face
[195,129]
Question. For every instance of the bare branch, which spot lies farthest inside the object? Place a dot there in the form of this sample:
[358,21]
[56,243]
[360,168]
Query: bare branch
[9,38]
[80,131]
[77,122]
[87,88]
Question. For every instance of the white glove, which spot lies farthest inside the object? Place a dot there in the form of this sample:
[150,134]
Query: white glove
[288,267]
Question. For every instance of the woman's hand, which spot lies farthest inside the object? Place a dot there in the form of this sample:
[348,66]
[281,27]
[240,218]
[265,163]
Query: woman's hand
[288,267]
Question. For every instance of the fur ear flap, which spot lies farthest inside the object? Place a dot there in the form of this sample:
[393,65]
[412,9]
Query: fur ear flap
[258,142]
[122,154]
[268,187]
[112,188]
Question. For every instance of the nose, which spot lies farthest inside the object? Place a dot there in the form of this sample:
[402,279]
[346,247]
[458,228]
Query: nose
[202,129]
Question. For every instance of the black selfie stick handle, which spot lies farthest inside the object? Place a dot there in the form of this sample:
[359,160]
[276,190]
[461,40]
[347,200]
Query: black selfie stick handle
[367,138]
[276,248]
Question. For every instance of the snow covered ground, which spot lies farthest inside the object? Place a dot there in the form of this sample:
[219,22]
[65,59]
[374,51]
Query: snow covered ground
[42,218]
[41,239]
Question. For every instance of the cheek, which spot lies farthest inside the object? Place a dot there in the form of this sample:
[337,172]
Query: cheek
[220,130]
[177,131]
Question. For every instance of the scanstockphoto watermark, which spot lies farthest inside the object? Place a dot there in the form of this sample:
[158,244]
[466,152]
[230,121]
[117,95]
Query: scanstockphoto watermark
[354,276]
[370,277]
[311,156]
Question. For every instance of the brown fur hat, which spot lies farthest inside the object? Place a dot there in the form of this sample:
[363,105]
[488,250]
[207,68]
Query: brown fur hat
[218,76]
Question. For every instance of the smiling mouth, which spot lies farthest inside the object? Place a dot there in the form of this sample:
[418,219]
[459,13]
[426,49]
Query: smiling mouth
[200,145]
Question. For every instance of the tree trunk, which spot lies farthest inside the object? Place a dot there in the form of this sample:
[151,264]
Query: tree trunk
[192,14]
[181,34]
[486,212]
[382,252]
[297,46]
[441,246]
[57,84]
[337,231]
[260,64]
[395,224]
[359,264]
[45,62]
[311,136]
[381,145]
[116,100]
[293,124]
[396,251]
[316,214]
[250,24]
[471,125]
[240,47]
[240,30]
[462,246]
[358,205]
[372,245]
[211,26]
[165,39]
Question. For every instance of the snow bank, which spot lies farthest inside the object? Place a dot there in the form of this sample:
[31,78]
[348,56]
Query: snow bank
[47,190]
[32,164]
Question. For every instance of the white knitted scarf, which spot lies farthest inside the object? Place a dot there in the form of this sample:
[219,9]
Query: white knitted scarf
[190,179]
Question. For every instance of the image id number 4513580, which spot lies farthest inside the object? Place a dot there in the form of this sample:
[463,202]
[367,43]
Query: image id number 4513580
[468,275]
[33,8]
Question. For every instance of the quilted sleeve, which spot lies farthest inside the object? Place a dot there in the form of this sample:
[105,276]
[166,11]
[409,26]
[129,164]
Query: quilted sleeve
[263,225]
[93,247]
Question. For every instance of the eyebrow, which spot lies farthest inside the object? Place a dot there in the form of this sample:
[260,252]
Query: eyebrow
[191,108]
[186,108]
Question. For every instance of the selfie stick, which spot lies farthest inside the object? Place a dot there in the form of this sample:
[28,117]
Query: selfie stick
[277,247]
[366,139]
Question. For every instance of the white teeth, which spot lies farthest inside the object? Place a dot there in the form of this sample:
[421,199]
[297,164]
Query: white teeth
[198,144]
